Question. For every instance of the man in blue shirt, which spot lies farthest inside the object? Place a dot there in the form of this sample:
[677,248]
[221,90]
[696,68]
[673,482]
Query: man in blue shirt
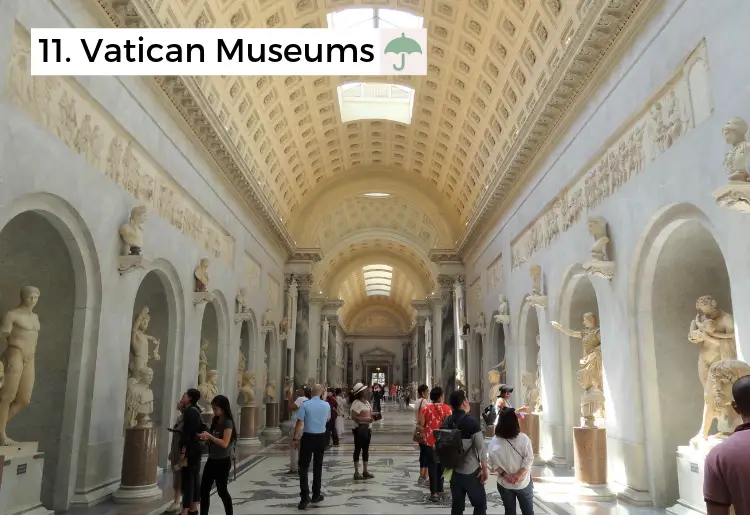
[311,418]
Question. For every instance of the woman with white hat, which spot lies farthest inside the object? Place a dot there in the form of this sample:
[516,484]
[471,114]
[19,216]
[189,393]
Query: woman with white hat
[361,415]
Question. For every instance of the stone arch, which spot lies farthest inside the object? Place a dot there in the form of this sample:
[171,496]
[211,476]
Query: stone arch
[221,311]
[249,341]
[676,260]
[576,297]
[498,345]
[56,242]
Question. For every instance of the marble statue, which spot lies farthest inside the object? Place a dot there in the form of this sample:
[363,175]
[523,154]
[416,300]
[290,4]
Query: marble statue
[537,297]
[531,391]
[20,328]
[538,379]
[288,387]
[247,389]
[241,366]
[722,376]
[139,400]
[600,265]
[132,231]
[284,325]
[713,330]
[139,340]
[209,389]
[240,300]
[201,275]
[737,160]
[494,377]
[479,324]
[590,374]
[503,311]
[267,317]
[271,391]
[2,375]
[203,362]
[324,339]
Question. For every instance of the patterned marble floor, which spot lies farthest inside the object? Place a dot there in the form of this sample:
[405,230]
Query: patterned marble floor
[267,488]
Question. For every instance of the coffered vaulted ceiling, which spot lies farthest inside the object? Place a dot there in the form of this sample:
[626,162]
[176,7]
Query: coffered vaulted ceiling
[353,291]
[501,74]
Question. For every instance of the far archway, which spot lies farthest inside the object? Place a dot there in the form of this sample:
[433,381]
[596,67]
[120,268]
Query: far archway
[680,262]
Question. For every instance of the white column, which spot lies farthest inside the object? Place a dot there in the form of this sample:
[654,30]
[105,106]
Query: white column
[324,351]
[428,351]
[291,333]
[314,332]
[460,343]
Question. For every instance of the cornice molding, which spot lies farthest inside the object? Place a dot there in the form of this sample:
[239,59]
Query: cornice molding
[444,256]
[307,255]
[602,26]
[184,94]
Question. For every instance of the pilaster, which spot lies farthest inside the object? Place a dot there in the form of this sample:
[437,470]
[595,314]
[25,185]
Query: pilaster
[315,365]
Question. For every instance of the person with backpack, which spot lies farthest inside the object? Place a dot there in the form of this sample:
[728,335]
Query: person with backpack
[190,452]
[431,417]
[511,456]
[459,445]
[220,438]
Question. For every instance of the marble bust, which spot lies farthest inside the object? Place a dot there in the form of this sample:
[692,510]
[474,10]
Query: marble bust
[503,311]
[271,391]
[20,329]
[537,297]
[247,389]
[139,400]
[240,299]
[132,231]
[713,330]
[209,390]
[590,373]
[736,161]
[201,276]
[600,265]
[139,344]
[722,375]
[494,378]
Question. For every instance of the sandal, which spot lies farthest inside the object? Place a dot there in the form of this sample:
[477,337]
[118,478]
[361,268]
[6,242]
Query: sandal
[367,475]
[358,476]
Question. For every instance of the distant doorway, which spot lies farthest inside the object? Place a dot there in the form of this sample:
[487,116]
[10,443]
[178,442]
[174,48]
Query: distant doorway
[377,378]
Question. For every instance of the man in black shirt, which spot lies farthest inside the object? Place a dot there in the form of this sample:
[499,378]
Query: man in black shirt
[190,452]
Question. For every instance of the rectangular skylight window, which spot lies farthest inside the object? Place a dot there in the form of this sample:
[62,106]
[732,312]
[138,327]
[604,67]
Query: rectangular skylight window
[379,292]
[352,18]
[391,18]
[378,279]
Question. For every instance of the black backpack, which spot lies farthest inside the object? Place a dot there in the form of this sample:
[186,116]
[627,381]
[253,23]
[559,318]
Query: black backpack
[449,445]
[489,415]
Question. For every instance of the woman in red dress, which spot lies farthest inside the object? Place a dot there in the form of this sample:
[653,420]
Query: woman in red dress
[430,418]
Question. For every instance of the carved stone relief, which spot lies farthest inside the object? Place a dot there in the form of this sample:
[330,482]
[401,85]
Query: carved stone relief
[273,294]
[496,273]
[252,273]
[75,118]
[668,117]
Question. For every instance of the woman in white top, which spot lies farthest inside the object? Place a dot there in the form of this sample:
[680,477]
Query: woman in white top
[510,457]
[342,411]
[361,414]
[422,399]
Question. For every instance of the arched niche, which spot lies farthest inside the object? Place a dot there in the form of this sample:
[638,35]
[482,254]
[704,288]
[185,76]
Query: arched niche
[678,260]
[210,338]
[498,347]
[271,363]
[45,245]
[578,297]
[248,343]
[529,338]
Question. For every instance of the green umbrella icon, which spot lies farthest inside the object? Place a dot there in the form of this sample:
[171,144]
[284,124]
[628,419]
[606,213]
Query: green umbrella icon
[402,45]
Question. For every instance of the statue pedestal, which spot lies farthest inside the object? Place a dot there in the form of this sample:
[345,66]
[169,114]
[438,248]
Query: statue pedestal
[139,461]
[242,316]
[21,469]
[690,463]
[200,297]
[272,420]
[590,444]
[734,196]
[603,269]
[530,425]
[248,426]
[128,264]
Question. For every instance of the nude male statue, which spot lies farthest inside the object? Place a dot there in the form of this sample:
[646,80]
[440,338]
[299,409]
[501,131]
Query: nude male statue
[139,341]
[20,327]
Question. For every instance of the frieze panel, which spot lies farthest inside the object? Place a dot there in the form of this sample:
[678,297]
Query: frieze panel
[273,293]
[495,273]
[252,273]
[64,108]
[676,108]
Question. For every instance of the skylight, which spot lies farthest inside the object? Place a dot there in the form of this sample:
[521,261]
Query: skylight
[378,279]
[377,195]
[375,101]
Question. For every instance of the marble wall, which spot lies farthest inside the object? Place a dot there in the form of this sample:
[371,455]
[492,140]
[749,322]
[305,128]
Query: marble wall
[449,347]
[66,144]
[644,153]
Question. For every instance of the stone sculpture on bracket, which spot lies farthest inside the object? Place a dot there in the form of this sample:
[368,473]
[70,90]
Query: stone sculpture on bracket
[20,329]
[537,298]
[538,378]
[209,389]
[131,234]
[736,194]
[203,362]
[590,374]
[494,377]
[241,314]
[713,330]
[200,275]
[271,391]
[600,264]
[267,320]
[722,376]
[139,400]
[503,311]
[247,389]
[139,344]
[531,391]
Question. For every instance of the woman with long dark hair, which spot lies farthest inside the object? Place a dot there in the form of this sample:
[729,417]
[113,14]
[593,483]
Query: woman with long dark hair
[220,438]
[511,456]
[422,399]
[361,415]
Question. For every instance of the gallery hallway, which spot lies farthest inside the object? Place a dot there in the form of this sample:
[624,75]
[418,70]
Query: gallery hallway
[267,488]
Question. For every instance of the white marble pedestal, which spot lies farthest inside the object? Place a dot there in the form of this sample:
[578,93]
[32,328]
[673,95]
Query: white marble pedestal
[690,463]
[21,480]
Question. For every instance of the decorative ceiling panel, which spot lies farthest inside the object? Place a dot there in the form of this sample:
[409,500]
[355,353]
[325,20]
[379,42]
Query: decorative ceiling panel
[487,62]
[355,297]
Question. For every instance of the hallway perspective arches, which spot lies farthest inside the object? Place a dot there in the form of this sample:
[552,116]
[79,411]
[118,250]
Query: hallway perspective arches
[677,260]
[58,256]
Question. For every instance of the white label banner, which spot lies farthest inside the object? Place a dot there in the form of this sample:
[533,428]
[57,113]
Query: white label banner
[149,52]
